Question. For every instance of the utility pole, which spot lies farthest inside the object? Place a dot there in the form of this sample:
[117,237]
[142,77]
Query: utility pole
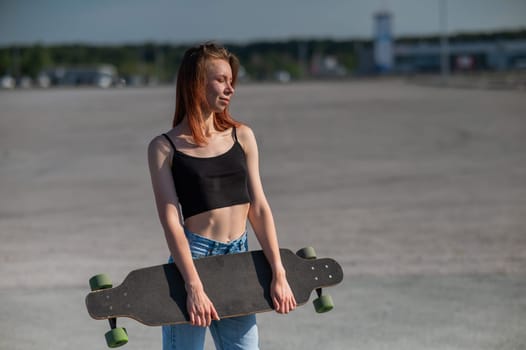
[302,57]
[444,42]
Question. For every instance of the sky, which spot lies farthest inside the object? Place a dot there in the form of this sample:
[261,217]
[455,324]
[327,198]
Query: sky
[238,21]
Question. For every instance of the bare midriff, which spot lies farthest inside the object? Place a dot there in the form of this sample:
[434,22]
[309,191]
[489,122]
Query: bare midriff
[222,224]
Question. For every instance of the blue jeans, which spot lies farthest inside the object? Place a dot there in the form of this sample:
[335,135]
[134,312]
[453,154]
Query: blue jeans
[239,333]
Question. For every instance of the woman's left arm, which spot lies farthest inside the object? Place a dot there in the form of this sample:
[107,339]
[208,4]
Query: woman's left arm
[262,221]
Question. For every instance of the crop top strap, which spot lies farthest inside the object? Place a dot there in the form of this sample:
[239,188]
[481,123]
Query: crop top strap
[234,134]
[169,140]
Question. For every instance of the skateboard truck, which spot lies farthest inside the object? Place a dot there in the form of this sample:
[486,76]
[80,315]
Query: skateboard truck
[117,336]
[323,303]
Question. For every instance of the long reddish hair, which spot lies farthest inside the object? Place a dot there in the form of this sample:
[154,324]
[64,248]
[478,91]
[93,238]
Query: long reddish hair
[190,97]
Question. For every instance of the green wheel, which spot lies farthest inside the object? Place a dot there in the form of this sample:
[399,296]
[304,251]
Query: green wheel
[116,337]
[306,253]
[323,304]
[101,281]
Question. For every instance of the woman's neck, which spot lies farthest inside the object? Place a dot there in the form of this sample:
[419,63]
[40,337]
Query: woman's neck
[208,125]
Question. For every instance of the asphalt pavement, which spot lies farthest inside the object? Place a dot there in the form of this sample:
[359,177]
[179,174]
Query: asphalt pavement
[418,191]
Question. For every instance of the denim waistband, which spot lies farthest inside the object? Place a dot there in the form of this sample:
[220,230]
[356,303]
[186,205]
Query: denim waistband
[201,246]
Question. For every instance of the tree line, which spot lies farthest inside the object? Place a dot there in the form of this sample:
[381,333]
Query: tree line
[260,60]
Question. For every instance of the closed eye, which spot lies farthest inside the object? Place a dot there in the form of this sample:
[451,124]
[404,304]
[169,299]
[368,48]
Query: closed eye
[224,78]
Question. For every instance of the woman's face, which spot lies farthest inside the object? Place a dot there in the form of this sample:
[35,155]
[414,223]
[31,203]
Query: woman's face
[219,88]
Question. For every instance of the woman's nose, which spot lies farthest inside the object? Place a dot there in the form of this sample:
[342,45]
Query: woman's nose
[230,89]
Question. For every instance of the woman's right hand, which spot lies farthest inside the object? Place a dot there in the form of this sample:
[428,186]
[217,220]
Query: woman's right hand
[200,308]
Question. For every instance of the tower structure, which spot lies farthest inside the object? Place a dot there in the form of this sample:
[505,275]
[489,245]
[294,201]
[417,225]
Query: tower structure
[383,41]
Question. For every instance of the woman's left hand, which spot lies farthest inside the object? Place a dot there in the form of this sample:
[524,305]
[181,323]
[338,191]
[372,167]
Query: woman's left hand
[281,294]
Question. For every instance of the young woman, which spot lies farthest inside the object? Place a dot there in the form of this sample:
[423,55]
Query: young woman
[206,182]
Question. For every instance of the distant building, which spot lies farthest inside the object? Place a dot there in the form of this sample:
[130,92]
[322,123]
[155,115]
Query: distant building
[102,76]
[424,56]
[385,54]
[496,55]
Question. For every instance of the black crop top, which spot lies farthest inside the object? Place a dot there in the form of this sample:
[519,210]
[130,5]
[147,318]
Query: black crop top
[203,184]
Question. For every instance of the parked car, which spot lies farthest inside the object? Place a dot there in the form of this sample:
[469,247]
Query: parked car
[7,82]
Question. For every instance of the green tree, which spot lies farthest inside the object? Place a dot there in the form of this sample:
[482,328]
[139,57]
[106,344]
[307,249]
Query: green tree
[34,59]
[5,62]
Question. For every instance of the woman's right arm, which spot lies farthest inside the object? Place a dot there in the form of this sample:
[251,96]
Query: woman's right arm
[200,308]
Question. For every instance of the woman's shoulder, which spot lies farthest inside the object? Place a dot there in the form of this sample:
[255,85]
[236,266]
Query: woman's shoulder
[160,144]
[246,138]
[244,132]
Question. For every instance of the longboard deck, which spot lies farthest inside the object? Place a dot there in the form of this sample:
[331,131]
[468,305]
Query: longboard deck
[237,284]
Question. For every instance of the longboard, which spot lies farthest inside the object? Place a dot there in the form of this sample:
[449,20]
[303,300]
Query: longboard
[237,284]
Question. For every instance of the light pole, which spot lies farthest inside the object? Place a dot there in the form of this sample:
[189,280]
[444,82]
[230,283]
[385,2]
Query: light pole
[444,44]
